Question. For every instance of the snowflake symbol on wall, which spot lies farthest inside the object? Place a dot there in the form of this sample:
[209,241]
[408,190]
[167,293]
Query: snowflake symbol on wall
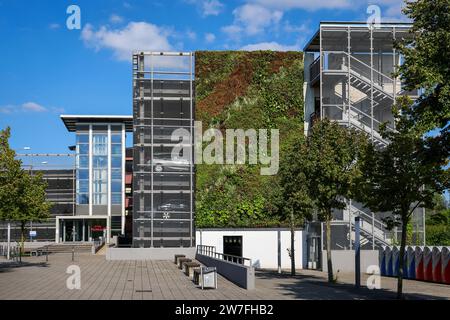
[166,215]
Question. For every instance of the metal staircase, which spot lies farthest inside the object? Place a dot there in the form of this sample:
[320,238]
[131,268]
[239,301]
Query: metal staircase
[371,228]
[377,90]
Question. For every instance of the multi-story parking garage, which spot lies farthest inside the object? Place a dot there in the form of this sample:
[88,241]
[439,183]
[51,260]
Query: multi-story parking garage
[163,210]
[150,199]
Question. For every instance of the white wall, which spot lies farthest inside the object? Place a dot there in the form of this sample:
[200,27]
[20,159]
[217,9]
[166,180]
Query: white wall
[344,260]
[260,245]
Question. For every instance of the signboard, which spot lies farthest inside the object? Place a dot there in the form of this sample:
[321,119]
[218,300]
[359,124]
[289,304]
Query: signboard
[33,233]
[97,228]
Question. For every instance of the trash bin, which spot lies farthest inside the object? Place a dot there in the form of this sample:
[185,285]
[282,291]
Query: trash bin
[410,263]
[388,261]
[208,277]
[436,264]
[445,259]
[395,261]
[382,260]
[419,263]
[427,264]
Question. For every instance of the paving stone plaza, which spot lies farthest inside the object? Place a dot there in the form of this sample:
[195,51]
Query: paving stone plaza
[162,280]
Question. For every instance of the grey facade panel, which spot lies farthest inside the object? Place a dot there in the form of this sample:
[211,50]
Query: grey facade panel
[162,181]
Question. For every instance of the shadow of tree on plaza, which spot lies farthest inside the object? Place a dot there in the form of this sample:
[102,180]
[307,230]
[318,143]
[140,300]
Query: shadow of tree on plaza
[316,287]
[10,265]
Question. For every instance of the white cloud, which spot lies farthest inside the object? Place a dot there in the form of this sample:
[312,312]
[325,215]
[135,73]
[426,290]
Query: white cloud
[211,7]
[304,4]
[191,35]
[275,46]
[251,20]
[288,27]
[232,30]
[208,7]
[54,26]
[33,107]
[8,109]
[28,107]
[255,18]
[134,36]
[210,37]
[391,10]
[114,18]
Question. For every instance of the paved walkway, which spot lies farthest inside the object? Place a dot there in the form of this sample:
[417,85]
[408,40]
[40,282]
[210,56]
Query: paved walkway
[137,280]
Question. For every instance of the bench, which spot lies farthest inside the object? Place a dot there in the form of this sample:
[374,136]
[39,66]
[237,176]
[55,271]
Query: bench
[181,261]
[33,251]
[177,256]
[189,268]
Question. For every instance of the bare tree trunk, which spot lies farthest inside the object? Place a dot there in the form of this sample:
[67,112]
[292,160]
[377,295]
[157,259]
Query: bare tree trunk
[22,240]
[401,259]
[329,263]
[292,245]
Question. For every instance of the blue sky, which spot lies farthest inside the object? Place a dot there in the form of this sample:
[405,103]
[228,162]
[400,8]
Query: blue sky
[47,69]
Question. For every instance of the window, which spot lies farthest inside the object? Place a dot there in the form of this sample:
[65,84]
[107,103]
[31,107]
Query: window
[83,186]
[116,162]
[100,162]
[82,161]
[100,199]
[116,198]
[116,186]
[83,149]
[116,174]
[82,174]
[82,138]
[116,138]
[82,198]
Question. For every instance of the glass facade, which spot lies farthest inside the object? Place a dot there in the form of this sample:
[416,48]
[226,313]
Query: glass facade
[82,166]
[100,168]
[116,165]
[99,165]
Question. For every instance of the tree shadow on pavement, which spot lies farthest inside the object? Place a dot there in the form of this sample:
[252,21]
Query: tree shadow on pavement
[10,266]
[316,287]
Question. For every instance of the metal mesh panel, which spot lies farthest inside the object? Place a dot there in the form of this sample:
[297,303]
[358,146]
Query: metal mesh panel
[163,182]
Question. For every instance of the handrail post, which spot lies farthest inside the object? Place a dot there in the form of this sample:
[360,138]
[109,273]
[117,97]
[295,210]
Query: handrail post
[73,253]
[46,254]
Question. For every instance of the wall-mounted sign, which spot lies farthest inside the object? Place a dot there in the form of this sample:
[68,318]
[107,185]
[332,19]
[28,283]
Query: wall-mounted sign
[97,228]
[33,233]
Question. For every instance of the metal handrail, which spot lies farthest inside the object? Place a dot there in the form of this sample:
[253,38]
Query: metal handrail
[314,69]
[210,251]
[362,62]
[369,67]
[357,111]
[381,225]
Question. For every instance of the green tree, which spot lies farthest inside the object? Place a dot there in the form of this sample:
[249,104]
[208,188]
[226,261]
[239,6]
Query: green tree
[33,206]
[22,194]
[438,223]
[333,167]
[426,66]
[403,176]
[293,178]
[10,176]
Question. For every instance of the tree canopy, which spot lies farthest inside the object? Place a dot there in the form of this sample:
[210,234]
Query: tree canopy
[22,193]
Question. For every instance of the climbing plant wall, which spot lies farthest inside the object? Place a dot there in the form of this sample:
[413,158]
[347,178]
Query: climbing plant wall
[243,90]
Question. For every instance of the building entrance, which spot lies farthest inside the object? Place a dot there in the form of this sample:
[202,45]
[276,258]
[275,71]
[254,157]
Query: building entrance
[82,230]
